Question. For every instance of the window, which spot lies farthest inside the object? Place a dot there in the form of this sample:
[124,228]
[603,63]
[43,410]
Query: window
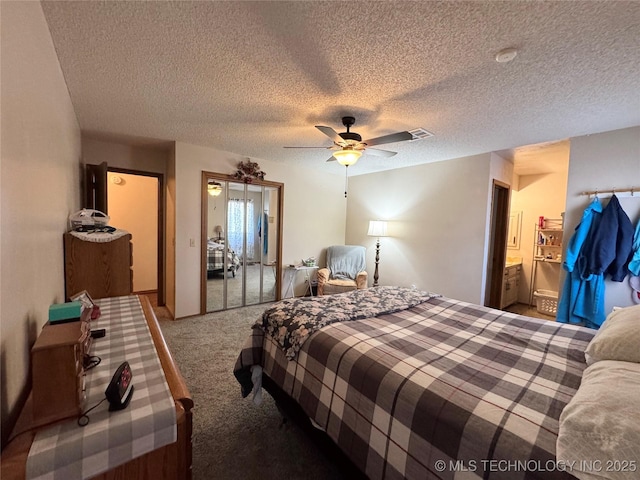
[236,223]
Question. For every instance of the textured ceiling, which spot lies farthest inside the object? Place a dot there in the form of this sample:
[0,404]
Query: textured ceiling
[253,77]
[547,157]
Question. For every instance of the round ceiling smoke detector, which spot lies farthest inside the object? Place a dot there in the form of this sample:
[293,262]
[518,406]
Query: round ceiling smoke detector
[506,55]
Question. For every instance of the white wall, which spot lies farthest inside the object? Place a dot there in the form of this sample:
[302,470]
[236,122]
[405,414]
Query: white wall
[40,188]
[145,159]
[437,224]
[314,213]
[604,161]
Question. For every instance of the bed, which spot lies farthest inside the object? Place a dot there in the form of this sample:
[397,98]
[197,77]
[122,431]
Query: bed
[215,258]
[419,386]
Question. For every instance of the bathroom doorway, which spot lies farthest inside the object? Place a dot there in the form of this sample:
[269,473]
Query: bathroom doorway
[538,189]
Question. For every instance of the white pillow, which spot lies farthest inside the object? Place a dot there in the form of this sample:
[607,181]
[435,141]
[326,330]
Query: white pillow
[599,433]
[618,337]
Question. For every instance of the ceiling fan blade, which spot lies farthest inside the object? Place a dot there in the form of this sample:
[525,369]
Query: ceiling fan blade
[326,148]
[331,159]
[331,133]
[380,153]
[391,138]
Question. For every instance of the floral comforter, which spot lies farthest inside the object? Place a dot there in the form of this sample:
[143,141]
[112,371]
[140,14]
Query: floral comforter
[290,322]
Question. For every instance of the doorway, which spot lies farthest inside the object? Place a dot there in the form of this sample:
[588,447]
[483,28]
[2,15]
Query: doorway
[135,203]
[539,188]
[241,242]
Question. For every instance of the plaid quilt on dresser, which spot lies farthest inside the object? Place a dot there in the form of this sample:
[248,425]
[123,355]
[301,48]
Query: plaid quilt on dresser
[441,390]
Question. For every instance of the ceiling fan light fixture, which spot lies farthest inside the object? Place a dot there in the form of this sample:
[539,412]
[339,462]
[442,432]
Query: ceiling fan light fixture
[347,156]
[214,189]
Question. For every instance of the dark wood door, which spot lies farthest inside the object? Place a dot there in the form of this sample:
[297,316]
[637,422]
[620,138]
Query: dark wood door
[497,243]
[95,187]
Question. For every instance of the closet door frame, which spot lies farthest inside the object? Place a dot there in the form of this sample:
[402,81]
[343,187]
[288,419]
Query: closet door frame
[220,177]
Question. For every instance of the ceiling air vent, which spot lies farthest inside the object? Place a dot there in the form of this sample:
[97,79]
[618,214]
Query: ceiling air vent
[420,134]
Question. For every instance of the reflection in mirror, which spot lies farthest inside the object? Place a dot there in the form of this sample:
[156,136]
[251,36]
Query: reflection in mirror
[220,262]
[236,227]
[243,229]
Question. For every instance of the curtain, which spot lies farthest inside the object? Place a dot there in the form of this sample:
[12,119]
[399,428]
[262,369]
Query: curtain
[236,223]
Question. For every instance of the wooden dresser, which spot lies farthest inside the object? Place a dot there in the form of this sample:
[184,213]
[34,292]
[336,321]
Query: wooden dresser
[101,268]
[169,462]
[57,370]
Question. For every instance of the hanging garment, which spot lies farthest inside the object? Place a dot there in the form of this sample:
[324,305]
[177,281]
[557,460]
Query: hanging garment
[582,299]
[634,264]
[580,235]
[265,239]
[264,221]
[610,249]
[634,283]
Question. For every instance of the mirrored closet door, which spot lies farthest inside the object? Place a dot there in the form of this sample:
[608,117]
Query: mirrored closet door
[241,239]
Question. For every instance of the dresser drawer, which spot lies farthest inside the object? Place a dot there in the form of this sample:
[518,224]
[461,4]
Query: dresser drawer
[57,371]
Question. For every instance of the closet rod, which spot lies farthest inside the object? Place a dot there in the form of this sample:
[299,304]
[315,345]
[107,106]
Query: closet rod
[631,191]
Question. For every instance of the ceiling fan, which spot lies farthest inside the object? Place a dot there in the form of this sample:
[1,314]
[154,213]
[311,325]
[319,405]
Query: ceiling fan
[348,146]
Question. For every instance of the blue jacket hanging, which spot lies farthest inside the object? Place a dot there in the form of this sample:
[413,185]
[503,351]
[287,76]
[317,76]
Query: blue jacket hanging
[610,250]
[263,220]
[634,264]
[582,299]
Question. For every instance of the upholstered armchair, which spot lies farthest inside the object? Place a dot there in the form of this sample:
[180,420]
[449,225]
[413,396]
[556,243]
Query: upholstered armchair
[345,270]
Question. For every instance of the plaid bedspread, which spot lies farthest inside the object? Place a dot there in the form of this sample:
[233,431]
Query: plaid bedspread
[442,390]
[68,451]
[215,259]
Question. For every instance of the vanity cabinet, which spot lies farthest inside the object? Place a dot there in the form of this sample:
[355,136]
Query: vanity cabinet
[510,285]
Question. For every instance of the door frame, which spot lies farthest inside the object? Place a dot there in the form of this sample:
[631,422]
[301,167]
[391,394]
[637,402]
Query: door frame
[95,186]
[221,177]
[500,200]
[161,227]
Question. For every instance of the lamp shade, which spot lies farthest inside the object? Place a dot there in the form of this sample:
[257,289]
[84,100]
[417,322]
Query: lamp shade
[347,156]
[377,228]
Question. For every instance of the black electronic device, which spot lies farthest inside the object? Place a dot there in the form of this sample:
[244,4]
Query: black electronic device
[120,389]
[99,333]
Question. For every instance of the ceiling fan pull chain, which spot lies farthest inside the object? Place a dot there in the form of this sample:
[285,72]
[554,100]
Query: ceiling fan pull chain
[346,179]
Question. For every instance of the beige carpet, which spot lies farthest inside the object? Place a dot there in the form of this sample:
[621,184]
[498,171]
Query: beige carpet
[215,287]
[232,438]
